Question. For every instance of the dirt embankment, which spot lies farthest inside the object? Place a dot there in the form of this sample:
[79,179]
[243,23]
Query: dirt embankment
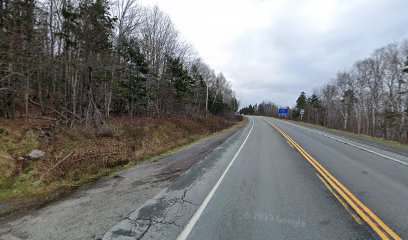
[74,156]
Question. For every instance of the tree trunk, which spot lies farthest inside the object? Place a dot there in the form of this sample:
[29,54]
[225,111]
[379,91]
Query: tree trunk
[40,99]
[26,96]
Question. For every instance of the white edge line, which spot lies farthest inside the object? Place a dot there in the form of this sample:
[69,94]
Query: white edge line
[351,144]
[187,229]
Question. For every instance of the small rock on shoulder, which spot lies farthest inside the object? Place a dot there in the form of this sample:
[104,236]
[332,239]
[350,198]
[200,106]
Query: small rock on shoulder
[36,154]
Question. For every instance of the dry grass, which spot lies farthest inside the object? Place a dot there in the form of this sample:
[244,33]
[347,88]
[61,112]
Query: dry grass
[78,155]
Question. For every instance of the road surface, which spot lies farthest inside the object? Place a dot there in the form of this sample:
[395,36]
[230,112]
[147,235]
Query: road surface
[94,208]
[277,180]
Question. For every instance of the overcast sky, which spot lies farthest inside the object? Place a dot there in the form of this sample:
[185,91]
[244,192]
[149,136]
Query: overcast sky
[275,49]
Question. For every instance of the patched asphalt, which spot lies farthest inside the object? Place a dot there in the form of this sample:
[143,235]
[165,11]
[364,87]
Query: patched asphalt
[95,208]
[269,192]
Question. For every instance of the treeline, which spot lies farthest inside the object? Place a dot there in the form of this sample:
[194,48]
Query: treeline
[369,98]
[313,110]
[82,60]
[265,108]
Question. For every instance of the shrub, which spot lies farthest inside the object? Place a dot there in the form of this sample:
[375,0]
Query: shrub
[239,118]
[105,131]
[135,134]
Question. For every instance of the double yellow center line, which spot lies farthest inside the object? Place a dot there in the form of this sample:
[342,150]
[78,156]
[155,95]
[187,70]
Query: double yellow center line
[383,231]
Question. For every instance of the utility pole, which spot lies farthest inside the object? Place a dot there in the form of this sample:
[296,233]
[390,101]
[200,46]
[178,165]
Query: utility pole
[405,70]
[206,102]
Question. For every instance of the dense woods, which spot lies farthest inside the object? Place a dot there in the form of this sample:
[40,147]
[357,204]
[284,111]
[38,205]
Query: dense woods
[82,60]
[369,98]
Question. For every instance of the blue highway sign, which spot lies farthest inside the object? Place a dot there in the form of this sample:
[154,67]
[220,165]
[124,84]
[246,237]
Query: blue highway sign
[283,111]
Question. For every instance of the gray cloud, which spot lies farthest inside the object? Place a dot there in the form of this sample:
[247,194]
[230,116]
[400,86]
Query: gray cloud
[278,63]
[275,49]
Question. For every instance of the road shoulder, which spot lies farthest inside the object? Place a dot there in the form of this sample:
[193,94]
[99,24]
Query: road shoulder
[94,208]
[364,139]
[165,215]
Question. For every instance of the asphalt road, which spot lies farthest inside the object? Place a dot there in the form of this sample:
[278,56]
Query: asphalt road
[257,185]
[379,182]
[94,208]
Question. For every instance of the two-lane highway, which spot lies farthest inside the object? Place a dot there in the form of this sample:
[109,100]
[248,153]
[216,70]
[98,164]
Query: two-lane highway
[278,180]
[371,174]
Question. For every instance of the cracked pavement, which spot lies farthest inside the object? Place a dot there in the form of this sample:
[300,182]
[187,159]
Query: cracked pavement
[94,208]
[268,191]
[164,216]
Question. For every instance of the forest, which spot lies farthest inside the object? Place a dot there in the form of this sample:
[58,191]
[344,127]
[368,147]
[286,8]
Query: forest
[81,61]
[371,97]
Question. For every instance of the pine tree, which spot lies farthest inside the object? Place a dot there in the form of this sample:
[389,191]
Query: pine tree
[301,103]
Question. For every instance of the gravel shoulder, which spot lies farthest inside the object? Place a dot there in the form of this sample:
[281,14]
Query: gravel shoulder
[94,208]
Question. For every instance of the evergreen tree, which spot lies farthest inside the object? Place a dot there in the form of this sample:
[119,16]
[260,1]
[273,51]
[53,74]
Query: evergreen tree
[179,81]
[77,62]
[131,90]
[301,103]
[314,109]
